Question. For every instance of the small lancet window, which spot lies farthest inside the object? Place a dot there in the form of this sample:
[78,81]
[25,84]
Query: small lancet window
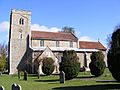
[20,35]
[42,43]
[21,21]
[71,44]
[57,43]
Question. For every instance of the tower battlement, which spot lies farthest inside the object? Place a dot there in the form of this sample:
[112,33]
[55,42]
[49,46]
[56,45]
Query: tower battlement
[21,11]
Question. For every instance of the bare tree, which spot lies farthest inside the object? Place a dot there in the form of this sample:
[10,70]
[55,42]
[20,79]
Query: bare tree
[3,49]
[109,41]
[3,57]
[68,29]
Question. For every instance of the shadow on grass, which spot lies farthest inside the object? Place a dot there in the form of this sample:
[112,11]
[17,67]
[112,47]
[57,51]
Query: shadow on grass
[86,77]
[104,81]
[35,75]
[32,75]
[90,87]
[47,80]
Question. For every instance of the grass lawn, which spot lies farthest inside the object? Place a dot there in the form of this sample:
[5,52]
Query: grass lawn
[84,81]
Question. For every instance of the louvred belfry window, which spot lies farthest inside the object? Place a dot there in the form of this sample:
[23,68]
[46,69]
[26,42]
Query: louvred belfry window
[21,21]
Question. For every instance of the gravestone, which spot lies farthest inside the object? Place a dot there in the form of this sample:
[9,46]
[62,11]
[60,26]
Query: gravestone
[2,88]
[25,75]
[62,77]
[18,74]
[16,87]
[38,72]
[0,73]
[38,76]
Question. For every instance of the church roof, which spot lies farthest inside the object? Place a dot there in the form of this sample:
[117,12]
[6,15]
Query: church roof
[53,36]
[91,45]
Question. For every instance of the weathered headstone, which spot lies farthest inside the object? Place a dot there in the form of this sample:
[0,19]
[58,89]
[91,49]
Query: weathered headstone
[0,73]
[38,73]
[25,75]
[38,76]
[62,77]
[18,74]
[2,88]
[19,87]
[16,87]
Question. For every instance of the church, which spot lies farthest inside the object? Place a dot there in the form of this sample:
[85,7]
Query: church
[27,47]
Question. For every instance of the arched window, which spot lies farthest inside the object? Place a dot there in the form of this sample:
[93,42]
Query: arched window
[20,35]
[57,43]
[71,44]
[42,43]
[21,21]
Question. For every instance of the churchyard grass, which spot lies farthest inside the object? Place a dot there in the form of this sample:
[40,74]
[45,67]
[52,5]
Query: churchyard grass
[84,81]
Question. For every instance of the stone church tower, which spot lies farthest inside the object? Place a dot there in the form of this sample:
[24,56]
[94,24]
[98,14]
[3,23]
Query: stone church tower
[20,22]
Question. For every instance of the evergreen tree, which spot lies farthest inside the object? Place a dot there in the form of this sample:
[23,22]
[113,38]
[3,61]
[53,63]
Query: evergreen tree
[48,66]
[70,64]
[114,55]
[97,64]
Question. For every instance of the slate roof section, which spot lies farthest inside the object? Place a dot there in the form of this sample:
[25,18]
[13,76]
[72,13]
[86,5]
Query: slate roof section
[91,45]
[62,36]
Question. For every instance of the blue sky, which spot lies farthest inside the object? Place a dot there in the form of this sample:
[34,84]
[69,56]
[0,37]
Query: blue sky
[91,19]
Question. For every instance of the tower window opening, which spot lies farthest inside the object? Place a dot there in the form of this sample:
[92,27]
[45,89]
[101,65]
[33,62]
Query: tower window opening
[21,36]
[21,21]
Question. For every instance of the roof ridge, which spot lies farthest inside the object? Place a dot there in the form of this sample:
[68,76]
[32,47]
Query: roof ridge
[88,41]
[52,32]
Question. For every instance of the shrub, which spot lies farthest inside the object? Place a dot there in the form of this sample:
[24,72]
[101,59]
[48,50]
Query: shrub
[114,55]
[97,64]
[48,66]
[70,64]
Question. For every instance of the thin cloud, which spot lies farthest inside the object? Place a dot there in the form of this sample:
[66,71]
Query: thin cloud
[37,27]
[86,38]
[4,26]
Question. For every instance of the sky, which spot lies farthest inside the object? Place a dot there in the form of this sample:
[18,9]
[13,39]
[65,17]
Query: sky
[92,20]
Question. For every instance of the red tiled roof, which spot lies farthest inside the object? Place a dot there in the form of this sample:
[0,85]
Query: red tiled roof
[91,45]
[53,36]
